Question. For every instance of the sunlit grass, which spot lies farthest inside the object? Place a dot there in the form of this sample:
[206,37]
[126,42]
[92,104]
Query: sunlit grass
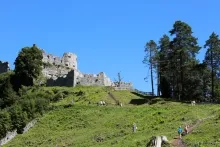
[84,124]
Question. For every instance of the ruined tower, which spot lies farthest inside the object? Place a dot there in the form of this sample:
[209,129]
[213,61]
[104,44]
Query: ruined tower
[70,60]
[4,67]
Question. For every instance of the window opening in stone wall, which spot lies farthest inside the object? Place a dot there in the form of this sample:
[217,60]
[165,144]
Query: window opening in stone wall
[48,56]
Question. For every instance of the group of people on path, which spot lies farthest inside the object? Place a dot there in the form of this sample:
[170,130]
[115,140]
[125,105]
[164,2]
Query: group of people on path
[180,131]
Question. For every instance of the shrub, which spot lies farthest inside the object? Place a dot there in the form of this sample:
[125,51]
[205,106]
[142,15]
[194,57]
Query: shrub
[41,105]
[18,117]
[28,105]
[5,123]
[57,97]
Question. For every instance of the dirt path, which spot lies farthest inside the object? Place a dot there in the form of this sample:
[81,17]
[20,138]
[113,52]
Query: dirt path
[114,98]
[177,142]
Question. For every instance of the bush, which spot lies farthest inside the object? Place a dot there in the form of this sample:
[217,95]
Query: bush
[41,105]
[5,123]
[8,95]
[57,97]
[18,117]
[28,105]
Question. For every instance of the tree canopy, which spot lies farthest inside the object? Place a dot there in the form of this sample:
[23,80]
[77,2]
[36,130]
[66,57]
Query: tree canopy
[180,75]
[28,65]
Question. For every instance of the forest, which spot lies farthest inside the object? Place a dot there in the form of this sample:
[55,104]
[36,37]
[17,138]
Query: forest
[179,74]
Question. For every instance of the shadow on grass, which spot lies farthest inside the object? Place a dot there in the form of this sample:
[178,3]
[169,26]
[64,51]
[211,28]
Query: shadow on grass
[146,99]
[144,96]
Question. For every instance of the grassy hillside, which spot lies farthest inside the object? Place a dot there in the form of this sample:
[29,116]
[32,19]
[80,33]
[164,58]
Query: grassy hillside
[207,134]
[84,124]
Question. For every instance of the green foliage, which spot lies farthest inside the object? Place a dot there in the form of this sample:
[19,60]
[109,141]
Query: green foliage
[28,65]
[5,123]
[41,105]
[180,75]
[28,106]
[19,118]
[150,58]
[184,48]
[164,68]
[58,96]
[7,94]
[213,61]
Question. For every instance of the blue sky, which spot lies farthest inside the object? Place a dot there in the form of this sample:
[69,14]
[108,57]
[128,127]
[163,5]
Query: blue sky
[107,36]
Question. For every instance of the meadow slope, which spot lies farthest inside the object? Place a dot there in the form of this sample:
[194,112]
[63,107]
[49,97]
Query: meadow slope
[86,124]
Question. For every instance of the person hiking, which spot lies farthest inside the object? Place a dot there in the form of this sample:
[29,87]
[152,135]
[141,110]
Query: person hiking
[186,129]
[180,130]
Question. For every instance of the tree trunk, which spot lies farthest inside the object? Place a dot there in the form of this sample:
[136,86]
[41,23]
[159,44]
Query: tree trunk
[181,78]
[158,81]
[151,71]
[212,76]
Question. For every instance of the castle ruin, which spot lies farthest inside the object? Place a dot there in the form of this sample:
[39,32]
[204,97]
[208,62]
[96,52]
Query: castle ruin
[64,72]
[4,67]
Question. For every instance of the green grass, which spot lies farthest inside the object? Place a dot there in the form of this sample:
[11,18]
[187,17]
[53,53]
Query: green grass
[84,124]
[206,134]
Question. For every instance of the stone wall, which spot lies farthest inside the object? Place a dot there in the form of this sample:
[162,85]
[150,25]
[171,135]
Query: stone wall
[63,72]
[94,80]
[10,135]
[4,67]
[123,86]
[29,125]
[65,80]
[68,60]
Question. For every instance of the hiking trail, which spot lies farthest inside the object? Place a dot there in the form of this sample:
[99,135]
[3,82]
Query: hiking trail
[177,142]
[113,97]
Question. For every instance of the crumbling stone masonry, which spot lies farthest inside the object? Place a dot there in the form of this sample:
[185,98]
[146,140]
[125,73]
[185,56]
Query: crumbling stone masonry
[63,72]
[123,86]
[10,135]
[4,67]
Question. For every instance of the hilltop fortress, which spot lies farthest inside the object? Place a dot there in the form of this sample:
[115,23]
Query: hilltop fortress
[63,71]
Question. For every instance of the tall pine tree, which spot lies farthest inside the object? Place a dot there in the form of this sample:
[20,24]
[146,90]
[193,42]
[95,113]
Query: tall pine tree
[150,59]
[184,48]
[212,57]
